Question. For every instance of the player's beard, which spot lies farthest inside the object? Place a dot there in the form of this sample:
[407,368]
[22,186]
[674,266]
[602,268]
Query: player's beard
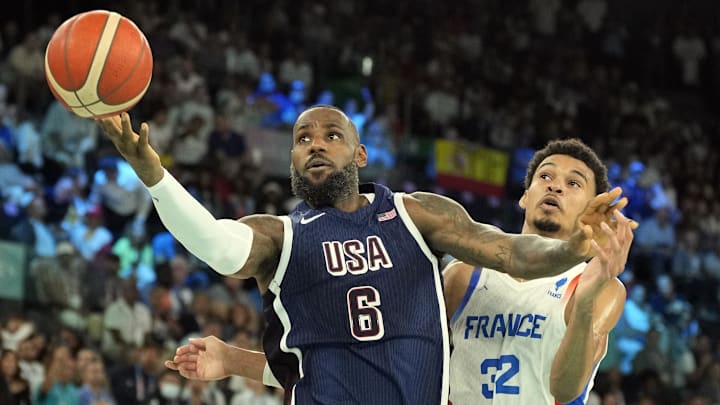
[546,226]
[337,186]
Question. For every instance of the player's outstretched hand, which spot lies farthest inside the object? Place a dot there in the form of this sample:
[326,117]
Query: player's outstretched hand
[599,210]
[133,147]
[200,359]
[609,260]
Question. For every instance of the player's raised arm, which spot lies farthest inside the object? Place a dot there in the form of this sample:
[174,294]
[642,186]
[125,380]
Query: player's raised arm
[224,244]
[448,228]
[594,309]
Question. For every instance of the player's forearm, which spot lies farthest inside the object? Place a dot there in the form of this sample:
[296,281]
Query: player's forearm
[574,360]
[534,256]
[223,244]
[244,363]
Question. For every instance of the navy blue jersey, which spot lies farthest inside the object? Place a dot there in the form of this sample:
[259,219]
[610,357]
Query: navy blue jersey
[355,311]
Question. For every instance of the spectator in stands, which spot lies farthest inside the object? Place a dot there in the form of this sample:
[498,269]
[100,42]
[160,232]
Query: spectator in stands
[653,357]
[654,244]
[227,147]
[296,66]
[633,326]
[90,235]
[94,388]
[67,139]
[16,328]
[16,388]
[26,61]
[127,321]
[134,381]
[136,256]
[31,368]
[169,392]
[120,194]
[33,230]
[58,387]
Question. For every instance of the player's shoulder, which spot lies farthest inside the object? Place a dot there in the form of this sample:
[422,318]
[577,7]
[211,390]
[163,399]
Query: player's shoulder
[456,280]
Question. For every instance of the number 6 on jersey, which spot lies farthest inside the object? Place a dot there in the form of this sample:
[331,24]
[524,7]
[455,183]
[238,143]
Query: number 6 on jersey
[366,321]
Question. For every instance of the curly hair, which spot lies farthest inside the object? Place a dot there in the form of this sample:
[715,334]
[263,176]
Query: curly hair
[575,148]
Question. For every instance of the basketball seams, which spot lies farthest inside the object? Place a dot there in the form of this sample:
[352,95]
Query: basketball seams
[139,60]
[128,84]
[94,75]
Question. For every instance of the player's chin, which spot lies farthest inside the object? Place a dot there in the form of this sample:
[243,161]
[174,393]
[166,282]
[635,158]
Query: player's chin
[318,175]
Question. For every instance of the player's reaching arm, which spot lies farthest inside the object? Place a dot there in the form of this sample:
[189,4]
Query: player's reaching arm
[593,310]
[448,228]
[210,358]
[225,245]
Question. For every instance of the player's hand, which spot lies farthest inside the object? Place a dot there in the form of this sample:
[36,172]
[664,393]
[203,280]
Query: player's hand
[133,147]
[609,260]
[589,223]
[201,359]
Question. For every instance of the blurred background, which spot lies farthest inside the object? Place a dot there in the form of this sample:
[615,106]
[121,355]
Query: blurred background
[451,97]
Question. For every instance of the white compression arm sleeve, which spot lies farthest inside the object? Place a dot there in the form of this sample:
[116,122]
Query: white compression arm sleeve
[223,244]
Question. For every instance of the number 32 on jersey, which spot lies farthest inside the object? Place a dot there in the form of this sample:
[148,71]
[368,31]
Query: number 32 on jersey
[500,371]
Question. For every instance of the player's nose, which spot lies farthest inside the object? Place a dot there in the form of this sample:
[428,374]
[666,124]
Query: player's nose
[317,144]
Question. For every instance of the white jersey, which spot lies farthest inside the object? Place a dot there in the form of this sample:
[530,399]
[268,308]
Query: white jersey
[505,335]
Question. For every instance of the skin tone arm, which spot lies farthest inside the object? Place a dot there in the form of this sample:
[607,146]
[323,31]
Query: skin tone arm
[448,228]
[210,358]
[593,310]
[267,230]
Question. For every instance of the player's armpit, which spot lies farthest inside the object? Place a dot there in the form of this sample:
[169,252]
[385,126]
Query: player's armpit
[268,231]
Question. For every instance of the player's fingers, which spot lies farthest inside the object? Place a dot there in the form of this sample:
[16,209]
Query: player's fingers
[187,373]
[171,365]
[109,128]
[608,205]
[627,233]
[144,134]
[602,201]
[610,234]
[127,132]
[186,349]
[188,366]
[185,358]
[599,252]
[197,343]
[622,203]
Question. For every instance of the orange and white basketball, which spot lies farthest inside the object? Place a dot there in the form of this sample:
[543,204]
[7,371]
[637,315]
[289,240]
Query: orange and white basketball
[98,64]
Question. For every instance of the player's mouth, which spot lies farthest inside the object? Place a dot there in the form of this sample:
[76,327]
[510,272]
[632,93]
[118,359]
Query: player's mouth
[318,164]
[550,203]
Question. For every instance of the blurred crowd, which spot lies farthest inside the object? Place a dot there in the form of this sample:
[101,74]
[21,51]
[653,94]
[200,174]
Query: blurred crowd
[108,293]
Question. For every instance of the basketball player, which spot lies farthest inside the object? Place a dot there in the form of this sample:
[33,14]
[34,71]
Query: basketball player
[545,350]
[518,341]
[352,292]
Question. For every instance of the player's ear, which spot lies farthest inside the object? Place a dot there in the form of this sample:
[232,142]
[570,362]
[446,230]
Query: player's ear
[523,200]
[361,156]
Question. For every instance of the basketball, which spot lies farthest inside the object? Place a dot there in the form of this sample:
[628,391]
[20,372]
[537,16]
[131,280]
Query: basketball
[98,64]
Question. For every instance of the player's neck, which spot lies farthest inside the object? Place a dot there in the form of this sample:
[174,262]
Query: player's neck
[351,203]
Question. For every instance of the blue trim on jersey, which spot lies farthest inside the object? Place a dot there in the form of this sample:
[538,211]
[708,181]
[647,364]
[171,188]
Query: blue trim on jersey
[471,287]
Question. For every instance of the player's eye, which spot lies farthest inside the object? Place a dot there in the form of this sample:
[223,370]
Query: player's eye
[303,139]
[334,135]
